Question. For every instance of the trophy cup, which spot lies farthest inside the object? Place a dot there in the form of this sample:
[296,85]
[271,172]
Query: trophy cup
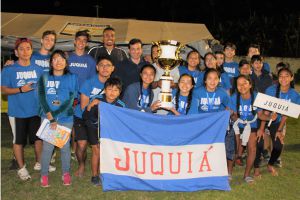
[168,58]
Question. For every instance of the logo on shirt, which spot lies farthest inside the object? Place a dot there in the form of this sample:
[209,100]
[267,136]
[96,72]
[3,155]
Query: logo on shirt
[211,101]
[53,84]
[81,65]
[51,91]
[42,63]
[20,83]
[96,91]
[26,75]
[229,70]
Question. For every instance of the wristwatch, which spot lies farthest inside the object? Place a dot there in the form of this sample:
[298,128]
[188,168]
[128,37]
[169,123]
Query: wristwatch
[20,89]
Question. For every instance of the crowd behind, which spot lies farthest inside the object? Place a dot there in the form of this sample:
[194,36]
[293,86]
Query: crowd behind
[66,88]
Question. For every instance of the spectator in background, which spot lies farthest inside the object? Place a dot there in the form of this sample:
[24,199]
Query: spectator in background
[254,49]
[109,48]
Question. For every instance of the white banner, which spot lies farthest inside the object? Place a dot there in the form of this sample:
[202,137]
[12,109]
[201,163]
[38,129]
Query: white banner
[277,105]
[162,162]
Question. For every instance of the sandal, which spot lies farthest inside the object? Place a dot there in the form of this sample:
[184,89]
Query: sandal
[249,180]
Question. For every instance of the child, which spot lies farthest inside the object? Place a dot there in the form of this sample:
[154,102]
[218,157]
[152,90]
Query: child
[254,49]
[89,89]
[112,91]
[245,117]
[183,95]
[139,95]
[19,83]
[210,97]
[193,61]
[210,61]
[57,91]
[284,91]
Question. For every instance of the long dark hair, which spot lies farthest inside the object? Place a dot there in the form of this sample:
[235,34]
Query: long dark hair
[287,69]
[239,95]
[189,99]
[149,89]
[189,54]
[208,71]
[64,56]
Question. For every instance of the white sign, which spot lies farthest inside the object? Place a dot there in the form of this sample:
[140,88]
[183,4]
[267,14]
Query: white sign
[277,105]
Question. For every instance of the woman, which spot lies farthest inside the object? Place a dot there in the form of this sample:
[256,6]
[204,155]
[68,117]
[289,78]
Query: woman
[57,90]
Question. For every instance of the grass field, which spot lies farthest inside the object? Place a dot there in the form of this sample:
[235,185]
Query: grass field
[285,186]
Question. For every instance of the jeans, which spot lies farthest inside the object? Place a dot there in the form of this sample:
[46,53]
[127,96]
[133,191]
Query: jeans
[65,154]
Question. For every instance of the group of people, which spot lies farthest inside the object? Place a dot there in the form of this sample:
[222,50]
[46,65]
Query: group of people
[66,88]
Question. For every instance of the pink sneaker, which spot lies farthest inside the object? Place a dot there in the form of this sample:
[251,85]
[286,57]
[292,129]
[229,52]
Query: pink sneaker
[66,179]
[44,181]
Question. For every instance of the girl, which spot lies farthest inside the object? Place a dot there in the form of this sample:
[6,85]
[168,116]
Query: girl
[245,117]
[139,95]
[57,90]
[284,91]
[210,97]
[210,61]
[192,68]
[183,95]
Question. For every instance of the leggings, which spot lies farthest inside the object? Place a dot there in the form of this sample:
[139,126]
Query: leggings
[277,146]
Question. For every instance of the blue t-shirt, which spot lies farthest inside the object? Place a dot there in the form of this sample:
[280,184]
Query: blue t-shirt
[225,81]
[22,105]
[245,109]
[292,96]
[84,66]
[231,68]
[204,101]
[144,99]
[90,88]
[59,89]
[182,102]
[266,67]
[197,75]
[41,60]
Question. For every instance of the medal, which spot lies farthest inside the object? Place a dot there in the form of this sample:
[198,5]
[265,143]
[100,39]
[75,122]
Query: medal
[56,102]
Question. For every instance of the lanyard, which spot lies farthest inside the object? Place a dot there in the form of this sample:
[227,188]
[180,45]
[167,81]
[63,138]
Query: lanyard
[281,96]
[210,102]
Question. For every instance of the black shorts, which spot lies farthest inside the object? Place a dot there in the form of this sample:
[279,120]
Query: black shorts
[24,128]
[84,132]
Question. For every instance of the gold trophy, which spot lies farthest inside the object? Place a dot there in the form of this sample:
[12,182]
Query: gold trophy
[168,59]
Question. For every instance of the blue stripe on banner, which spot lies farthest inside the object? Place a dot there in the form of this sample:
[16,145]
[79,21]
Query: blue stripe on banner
[131,126]
[122,183]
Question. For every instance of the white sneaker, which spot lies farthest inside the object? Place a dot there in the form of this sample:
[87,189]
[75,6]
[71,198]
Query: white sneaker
[38,167]
[24,174]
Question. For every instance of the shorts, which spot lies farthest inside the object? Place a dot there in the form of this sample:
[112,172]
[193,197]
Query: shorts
[80,129]
[230,144]
[23,128]
[83,131]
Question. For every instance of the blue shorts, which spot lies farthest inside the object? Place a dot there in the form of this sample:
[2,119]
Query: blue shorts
[230,144]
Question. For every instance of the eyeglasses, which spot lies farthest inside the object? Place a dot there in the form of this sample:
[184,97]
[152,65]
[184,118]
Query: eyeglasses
[102,65]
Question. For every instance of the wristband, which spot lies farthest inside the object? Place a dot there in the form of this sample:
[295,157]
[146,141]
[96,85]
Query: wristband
[52,120]
[20,89]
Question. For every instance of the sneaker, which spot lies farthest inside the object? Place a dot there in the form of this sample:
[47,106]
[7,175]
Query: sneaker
[44,181]
[66,178]
[38,167]
[53,158]
[73,156]
[96,181]
[14,165]
[24,174]
[249,180]
[278,163]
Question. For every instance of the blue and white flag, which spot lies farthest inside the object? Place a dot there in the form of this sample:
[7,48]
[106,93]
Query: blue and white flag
[142,151]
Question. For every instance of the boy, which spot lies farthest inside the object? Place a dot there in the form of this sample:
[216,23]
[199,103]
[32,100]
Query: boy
[112,91]
[89,89]
[229,65]
[19,83]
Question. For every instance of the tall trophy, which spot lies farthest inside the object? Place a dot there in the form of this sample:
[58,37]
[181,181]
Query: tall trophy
[168,59]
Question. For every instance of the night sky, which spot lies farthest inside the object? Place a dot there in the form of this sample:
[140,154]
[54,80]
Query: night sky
[218,15]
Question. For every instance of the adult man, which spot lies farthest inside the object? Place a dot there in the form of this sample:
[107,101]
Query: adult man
[108,49]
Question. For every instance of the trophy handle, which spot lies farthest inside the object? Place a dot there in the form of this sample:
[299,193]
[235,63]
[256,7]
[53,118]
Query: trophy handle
[177,53]
[158,48]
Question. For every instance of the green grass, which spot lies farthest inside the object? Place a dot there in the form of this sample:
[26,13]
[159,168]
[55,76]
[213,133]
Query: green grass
[285,186]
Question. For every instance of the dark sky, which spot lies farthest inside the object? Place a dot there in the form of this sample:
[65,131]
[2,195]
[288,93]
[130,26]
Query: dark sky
[166,10]
[273,24]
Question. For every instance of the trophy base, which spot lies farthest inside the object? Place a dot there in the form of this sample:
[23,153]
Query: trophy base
[166,100]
